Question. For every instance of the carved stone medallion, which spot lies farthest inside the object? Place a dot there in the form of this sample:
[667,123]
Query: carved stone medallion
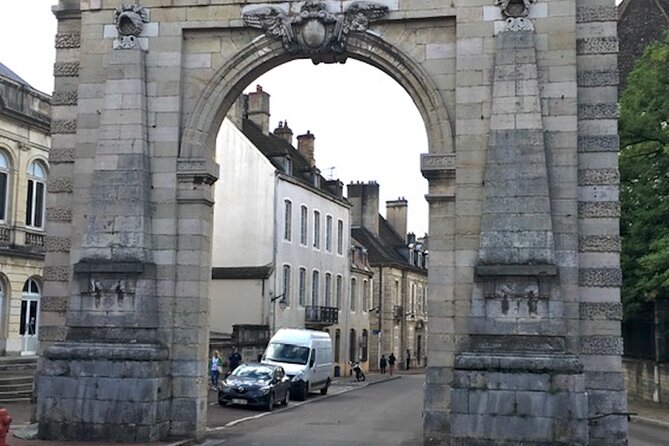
[130,20]
[315,31]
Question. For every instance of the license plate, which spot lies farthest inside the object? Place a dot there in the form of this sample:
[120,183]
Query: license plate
[238,401]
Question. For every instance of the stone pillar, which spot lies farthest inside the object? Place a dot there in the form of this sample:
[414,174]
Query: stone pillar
[517,381]
[109,379]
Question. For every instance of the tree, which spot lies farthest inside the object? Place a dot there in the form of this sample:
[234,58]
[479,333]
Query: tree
[644,188]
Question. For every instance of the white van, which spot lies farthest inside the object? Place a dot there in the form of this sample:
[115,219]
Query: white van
[307,358]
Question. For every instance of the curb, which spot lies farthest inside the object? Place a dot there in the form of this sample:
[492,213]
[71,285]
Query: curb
[651,421]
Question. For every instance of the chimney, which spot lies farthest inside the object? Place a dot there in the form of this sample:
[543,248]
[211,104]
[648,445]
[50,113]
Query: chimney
[258,109]
[365,200]
[305,145]
[284,132]
[396,214]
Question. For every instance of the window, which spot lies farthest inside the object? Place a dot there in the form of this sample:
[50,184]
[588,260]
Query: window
[328,233]
[303,225]
[35,199]
[338,291]
[317,230]
[286,284]
[302,286]
[288,165]
[4,185]
[340,237]
[412,304]
[314,288]
[353,293]
[288,220]
[411,260]
[328,289]
[365,295]
[364,342]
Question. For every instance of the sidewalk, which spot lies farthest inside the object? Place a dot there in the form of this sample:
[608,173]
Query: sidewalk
[648,412]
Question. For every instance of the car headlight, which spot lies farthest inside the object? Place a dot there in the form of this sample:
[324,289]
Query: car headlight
[298,377]
[265,389]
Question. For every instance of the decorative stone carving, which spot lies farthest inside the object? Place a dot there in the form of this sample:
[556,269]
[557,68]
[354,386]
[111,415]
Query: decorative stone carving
[66,69]
[315,30]
[64,126]
[130,20]
[597,45]
[598,111]
[514,8]
[601,311]
[597,78]
[64,97]
[56,273]
[62,184]
[68,40]
[109,295]
[599,243]
[599,209]
[598,143]
[57,244]
[59,215]
[602,345]
[518,24]
[598,177]
[600,277]
[61,156]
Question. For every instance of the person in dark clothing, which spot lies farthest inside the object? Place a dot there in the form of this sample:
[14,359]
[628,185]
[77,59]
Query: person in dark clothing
[408,358]
[391,362]
[234,359]
[382,364]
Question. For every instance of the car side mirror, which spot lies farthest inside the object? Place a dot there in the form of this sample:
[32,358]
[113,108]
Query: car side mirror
[312,361]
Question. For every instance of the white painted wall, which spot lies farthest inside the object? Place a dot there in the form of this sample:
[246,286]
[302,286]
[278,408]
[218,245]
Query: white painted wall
[244,210]
[235,302]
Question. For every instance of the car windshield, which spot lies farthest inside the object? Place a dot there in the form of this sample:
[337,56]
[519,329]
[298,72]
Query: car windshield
[292,354]
[262,373]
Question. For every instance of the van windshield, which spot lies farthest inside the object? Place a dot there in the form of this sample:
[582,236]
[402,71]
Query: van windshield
[292,354]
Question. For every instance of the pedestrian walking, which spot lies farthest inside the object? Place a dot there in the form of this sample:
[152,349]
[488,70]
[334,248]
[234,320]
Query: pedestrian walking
[391,362]
[234,359]
[216,366]
[382,364]
[408,358]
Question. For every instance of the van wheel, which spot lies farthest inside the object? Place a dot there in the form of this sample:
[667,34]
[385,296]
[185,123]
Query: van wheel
[324,390]
[303,392]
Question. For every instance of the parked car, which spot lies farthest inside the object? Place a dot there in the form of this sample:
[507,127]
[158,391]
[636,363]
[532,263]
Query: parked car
[255,385]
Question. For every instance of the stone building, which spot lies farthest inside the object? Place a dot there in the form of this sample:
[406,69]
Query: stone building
[286,262]
[398,315]
[640,23]
[25,121]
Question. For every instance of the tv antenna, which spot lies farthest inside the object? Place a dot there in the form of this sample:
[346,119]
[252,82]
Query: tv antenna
[330,175]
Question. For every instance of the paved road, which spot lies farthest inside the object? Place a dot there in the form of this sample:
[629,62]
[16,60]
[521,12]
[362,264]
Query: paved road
[386,413]
[643,434]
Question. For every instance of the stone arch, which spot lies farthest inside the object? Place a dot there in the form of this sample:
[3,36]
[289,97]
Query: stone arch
[264,53]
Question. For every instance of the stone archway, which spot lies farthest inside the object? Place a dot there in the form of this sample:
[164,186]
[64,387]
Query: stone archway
[523,299]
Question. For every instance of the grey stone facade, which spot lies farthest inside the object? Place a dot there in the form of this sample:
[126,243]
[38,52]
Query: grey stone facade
[524,269]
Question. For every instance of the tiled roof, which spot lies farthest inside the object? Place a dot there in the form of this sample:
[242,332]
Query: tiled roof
[377,251]
[6,72]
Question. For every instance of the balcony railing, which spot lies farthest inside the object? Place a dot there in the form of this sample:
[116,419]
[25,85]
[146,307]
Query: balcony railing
[34,240]
[5,235]
[321,316]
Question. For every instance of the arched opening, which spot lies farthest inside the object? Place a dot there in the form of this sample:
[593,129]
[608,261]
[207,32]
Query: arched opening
[29,318]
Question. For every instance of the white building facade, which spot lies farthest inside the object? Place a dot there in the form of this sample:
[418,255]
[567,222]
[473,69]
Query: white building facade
[281,259]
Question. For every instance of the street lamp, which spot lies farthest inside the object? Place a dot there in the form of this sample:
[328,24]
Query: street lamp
[273,301]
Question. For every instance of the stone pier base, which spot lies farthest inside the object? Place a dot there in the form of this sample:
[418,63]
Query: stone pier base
[111,392]
[517,399]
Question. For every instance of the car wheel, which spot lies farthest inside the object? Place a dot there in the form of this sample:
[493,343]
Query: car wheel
[270,402]
[324,390]
[286,397]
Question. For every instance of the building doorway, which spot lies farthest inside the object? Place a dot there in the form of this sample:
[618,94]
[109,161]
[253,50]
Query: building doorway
[29,323]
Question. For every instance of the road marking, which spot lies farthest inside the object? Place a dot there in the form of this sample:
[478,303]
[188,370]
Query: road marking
[339,390]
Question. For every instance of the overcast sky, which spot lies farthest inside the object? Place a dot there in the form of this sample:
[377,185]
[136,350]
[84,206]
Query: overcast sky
[366,126]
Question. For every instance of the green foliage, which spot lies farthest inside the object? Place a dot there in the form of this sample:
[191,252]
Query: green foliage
[644,190]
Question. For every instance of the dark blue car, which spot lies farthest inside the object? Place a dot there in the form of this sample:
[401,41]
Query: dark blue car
[255,385]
